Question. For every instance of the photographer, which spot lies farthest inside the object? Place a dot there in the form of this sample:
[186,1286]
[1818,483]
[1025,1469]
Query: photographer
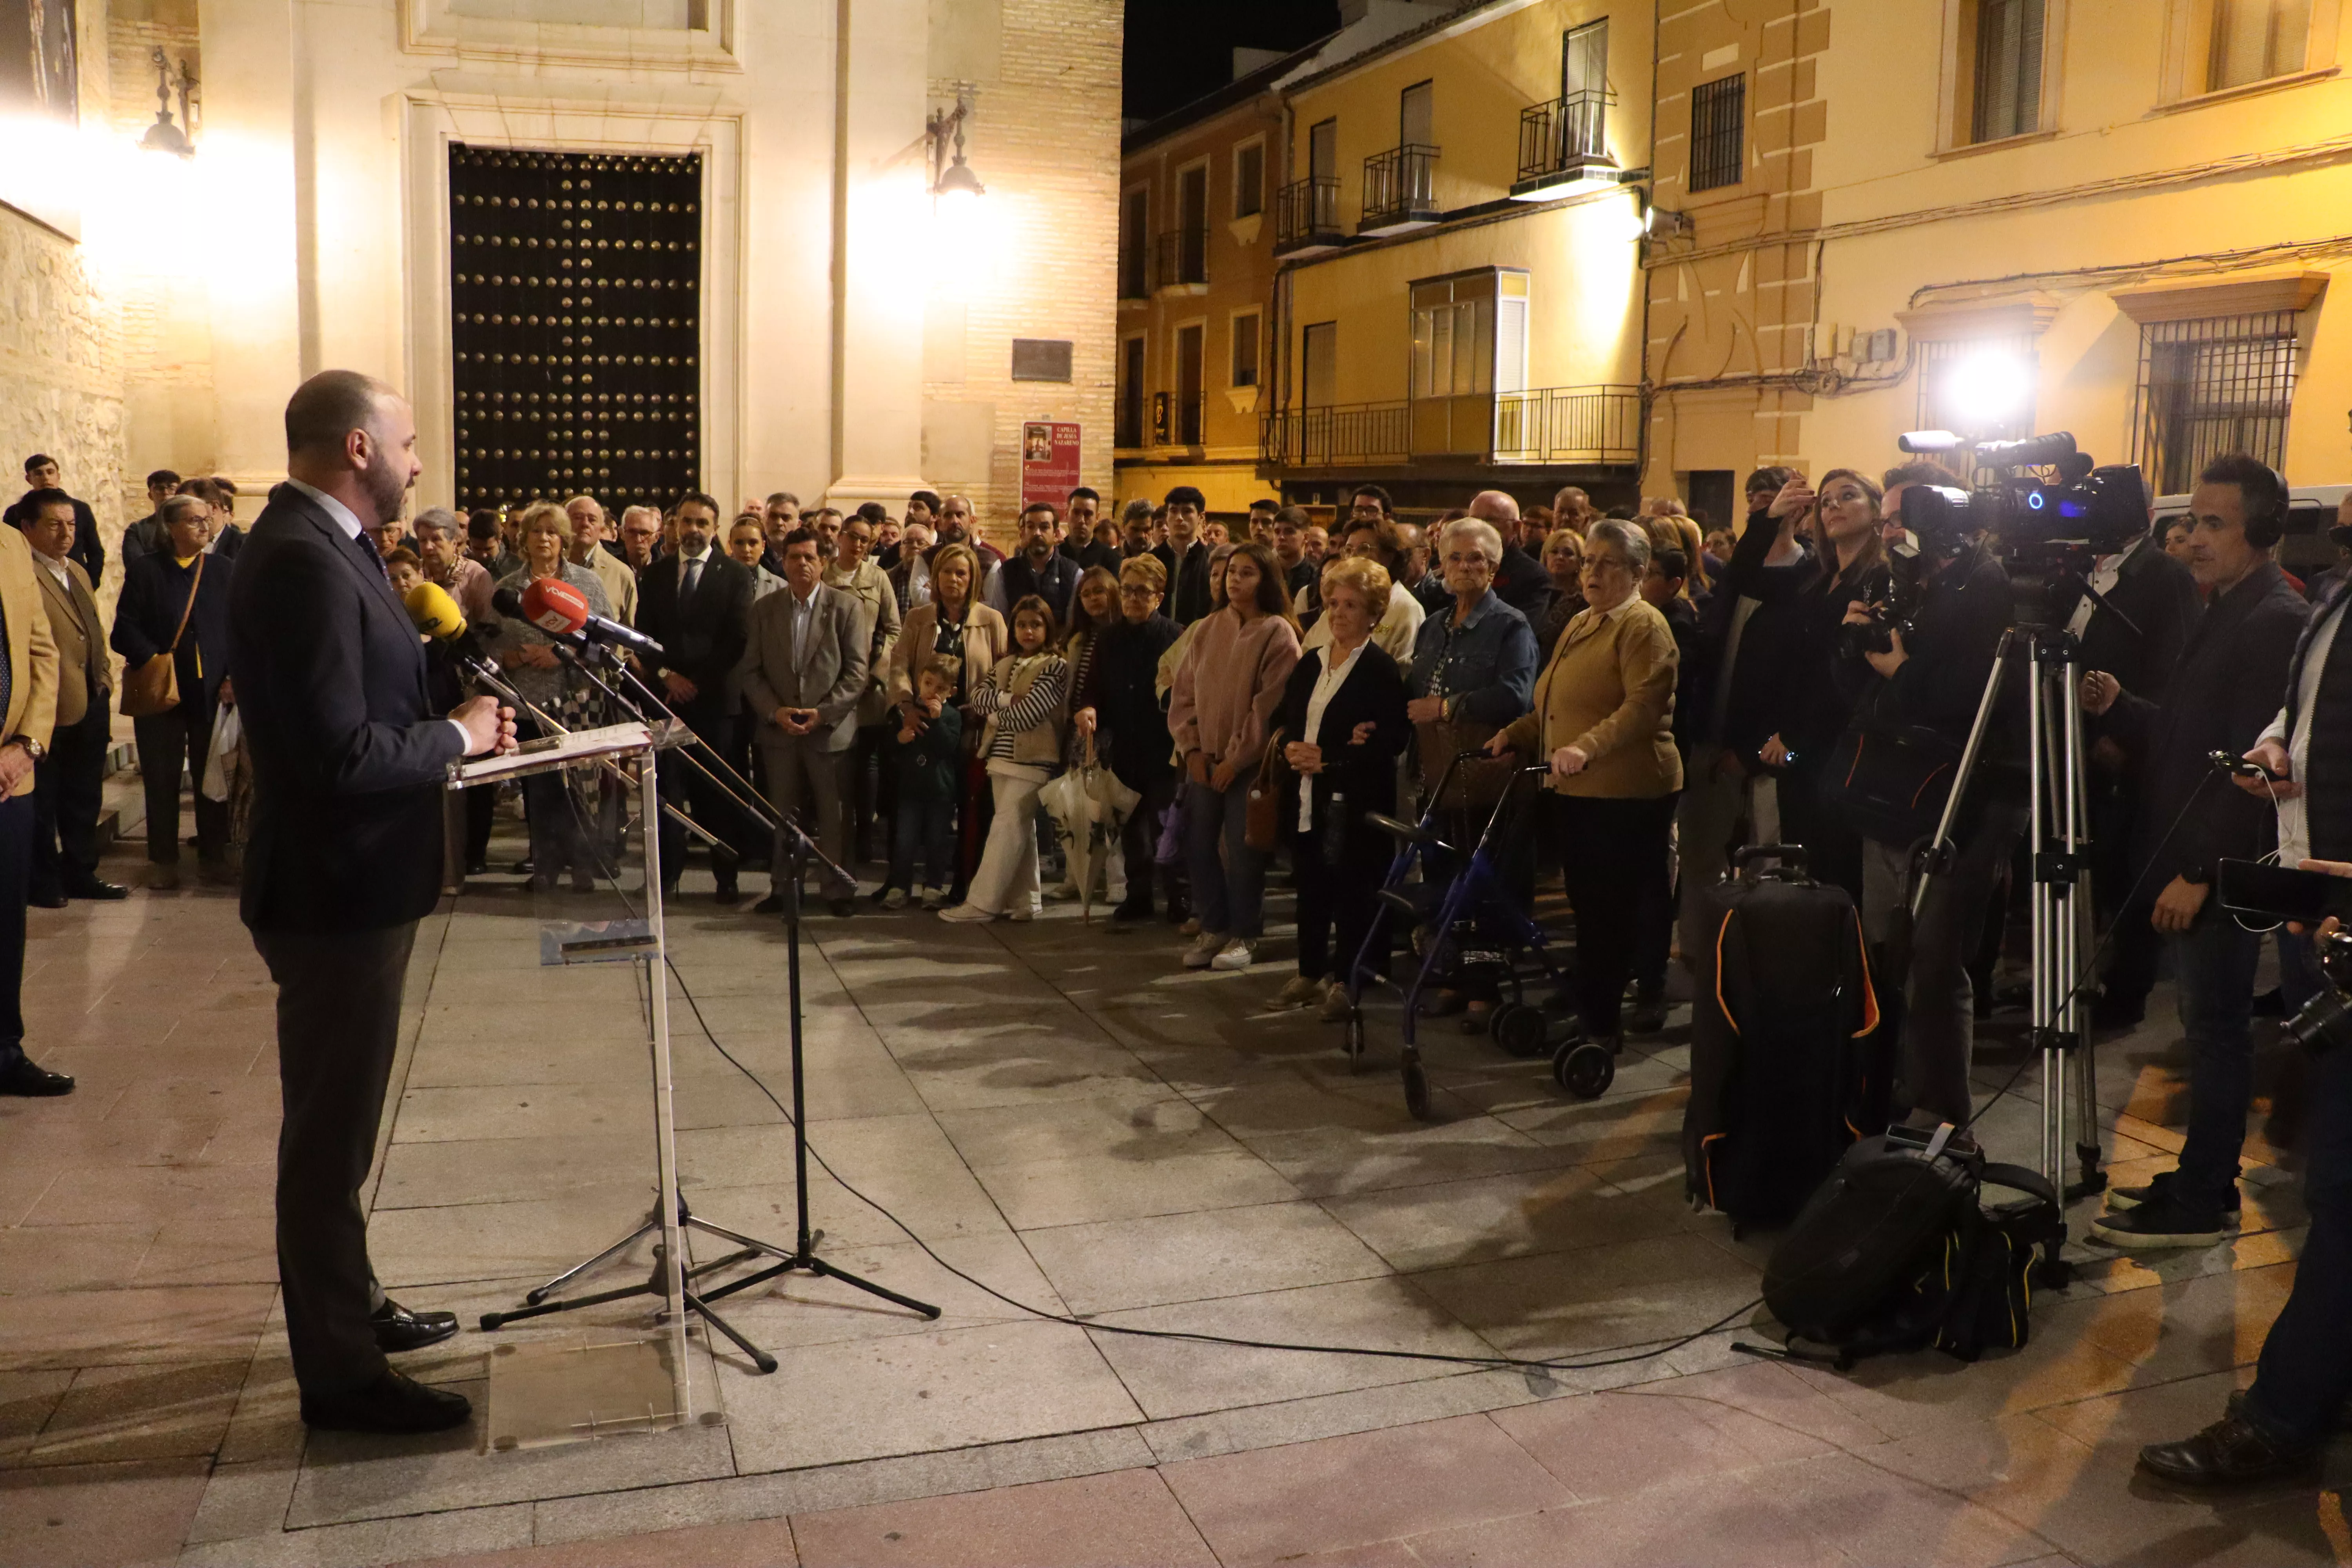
[2280,1426]
[2225,690]
[1917,700]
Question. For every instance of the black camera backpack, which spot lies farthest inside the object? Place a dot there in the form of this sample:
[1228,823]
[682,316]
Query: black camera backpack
[1898,1251]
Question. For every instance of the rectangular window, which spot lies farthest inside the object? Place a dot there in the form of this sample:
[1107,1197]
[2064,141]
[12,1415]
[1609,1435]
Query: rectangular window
[2254,40]
[1454,337]
[1719,137]
[2206,387]
[1190,384]
[1249,179]
[1191,259]
[1416,114]
[2009,69]
[1584,92]
[1318,364]
[1134,242]
[1245,349]
[1130,393]
[1323,150]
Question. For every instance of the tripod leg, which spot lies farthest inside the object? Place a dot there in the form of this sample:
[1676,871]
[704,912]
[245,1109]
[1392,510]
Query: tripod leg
[819,1266]
[652,1223]
[759,1358]
[754,1242]
[541,1309]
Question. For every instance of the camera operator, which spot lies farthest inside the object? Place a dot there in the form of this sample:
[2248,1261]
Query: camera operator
[2280,1426]
[2225,690]
[2132,625]
[1925,687]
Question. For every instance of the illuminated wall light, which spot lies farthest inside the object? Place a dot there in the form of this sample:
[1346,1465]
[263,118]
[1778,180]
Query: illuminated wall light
[1987,390]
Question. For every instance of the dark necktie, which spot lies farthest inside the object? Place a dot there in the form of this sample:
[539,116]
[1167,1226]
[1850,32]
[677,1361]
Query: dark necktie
[689,574]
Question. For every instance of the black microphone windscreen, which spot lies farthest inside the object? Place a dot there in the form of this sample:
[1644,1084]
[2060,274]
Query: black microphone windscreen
[507,602]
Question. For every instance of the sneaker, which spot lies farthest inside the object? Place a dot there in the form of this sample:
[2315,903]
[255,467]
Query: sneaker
[1298,991]
[1026,912]
[1236,955]
[2122,1199]
[962,914]
[1336,1007]
[933,898]
[1115,894]
[2162,1223]
[894,898]
[1648,1014]
[1204,950]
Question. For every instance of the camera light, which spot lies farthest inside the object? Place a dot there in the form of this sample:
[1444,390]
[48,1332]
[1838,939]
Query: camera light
[1988,390]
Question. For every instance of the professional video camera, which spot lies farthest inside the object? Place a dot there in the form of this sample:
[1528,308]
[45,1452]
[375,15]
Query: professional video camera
[2325,1021]
[2047,532]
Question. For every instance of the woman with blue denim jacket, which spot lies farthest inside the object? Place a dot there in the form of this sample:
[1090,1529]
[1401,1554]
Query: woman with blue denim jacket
[1474,672]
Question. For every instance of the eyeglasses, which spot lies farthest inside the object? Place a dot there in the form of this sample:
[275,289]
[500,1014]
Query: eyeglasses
[1138,591]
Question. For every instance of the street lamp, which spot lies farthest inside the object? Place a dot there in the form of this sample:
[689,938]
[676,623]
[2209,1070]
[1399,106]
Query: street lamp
[952,179]
[164,136]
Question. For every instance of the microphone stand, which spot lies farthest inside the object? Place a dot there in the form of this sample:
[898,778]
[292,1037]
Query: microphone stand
[799,850]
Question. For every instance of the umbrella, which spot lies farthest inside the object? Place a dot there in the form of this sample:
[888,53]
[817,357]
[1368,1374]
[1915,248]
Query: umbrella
[1088,805]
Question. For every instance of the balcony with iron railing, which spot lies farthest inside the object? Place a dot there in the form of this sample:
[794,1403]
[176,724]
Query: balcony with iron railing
[1599,426]
[1306,217]
[1565,142]
[1400,190]
[1180,260]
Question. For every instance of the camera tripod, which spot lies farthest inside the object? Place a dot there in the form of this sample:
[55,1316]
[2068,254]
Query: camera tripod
[2058,827]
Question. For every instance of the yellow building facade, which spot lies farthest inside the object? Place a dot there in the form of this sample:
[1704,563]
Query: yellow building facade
[1460,299]
[2117,218]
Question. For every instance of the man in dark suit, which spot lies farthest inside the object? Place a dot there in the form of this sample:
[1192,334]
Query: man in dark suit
[1186,556]
[148,534]
[1519,581]
[2133,630]
[349,761]
[41,474]
[68,783]
[1040,568]
[695,603]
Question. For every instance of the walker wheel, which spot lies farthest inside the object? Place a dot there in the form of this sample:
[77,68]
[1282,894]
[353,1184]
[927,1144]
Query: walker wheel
[1355,1037]
[1585,1070]
[1416,1090]
[1518,1029]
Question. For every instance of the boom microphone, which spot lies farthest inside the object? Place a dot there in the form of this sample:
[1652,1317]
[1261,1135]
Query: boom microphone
[561,611]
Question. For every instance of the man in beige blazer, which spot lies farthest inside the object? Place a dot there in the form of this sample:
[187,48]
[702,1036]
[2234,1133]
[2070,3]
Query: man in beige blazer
[28,707]
[67,784]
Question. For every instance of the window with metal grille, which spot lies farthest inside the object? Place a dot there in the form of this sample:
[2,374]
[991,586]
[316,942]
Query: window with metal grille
[1718,138]
[2009,69]
[2206,387]
[1955,377]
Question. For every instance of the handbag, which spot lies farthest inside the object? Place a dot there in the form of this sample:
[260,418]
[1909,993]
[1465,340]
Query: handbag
[1477,785]
[1262,829]
[153,687]
[1890,783]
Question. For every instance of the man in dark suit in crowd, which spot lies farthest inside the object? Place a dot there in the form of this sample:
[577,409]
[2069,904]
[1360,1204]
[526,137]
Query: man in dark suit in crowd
[695,603]
[804,669]
[349,762]
[41,474]
[67,785]
[1519,581]
[1186,556]
[1040,568]
[28,701]
[148,534]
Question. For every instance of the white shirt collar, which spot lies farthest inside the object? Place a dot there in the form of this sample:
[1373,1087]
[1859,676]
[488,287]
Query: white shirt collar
[799,598]
[56,569]
[702,559]
[345,519]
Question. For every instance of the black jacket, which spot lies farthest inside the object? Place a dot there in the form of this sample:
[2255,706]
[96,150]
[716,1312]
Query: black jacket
[1372,692]
[1130,720]
[1057,584]
[1732,646]
[1809,712]
[347,753]
[1522,584]
[2225,690]
[702,638]
[2156,593]
[155,593]
[1188,583]
[1950,651]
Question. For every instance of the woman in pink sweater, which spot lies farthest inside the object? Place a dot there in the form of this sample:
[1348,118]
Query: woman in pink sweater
[1220,712]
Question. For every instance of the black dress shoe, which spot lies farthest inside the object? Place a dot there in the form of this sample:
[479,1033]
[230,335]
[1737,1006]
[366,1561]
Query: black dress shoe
[2230,1453]
[398,1329]
[391,1404]
[773,904]
[844,908]
[97,887]
[728,894]
[47,899]
[37,1083]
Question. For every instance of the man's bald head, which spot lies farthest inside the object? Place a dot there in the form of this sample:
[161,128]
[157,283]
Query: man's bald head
[326,409]
[351,437]
[1497,507]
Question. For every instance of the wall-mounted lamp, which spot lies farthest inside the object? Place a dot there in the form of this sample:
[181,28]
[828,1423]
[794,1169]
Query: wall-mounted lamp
[951,178]
[164,136]
[1663,223]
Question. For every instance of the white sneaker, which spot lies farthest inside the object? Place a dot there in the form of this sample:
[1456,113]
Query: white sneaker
[1115,894]
[1296,992]
[967,913]
[895,898]
[1204,950]
[1236,955]
[1028,912]
[933,896]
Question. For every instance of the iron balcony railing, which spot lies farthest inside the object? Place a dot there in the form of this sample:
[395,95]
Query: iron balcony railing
[1564,135]
[1399,186]
[1178,420]
[1179,256]
[1596,425]
[1307,211]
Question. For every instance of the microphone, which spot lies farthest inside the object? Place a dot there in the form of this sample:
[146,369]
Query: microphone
[436,616]
[558,609]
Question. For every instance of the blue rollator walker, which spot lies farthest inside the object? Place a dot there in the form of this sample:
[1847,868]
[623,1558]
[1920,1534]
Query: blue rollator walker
[1474,901]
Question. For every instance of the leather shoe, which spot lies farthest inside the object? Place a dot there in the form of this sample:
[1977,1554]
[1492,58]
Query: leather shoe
[391,1404]
[398,1329]
[39,1083]
[2230,1453]
[97,887]
[46,898]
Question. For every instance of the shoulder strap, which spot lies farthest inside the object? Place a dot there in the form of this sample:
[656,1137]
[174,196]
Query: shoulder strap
[194,584]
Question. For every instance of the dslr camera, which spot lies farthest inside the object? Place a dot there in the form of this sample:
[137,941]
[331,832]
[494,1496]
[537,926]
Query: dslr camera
[2325,1021]
[2047,532]
[1890,594]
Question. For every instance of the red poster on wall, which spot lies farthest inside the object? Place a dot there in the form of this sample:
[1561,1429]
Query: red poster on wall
[1049,461]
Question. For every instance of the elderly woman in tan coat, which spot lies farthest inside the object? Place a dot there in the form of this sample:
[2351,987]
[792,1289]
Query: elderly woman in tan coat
[1603,721]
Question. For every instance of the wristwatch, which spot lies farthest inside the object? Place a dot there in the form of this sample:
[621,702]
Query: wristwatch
[2197,875]
[33,748]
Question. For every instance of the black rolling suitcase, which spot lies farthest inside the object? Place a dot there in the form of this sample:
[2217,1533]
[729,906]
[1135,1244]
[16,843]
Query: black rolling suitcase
[1786,1040]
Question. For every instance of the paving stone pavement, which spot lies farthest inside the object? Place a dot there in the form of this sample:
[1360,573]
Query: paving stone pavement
[1073,1126]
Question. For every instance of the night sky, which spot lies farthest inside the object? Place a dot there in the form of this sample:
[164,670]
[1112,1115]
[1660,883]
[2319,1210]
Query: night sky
[1178,50]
